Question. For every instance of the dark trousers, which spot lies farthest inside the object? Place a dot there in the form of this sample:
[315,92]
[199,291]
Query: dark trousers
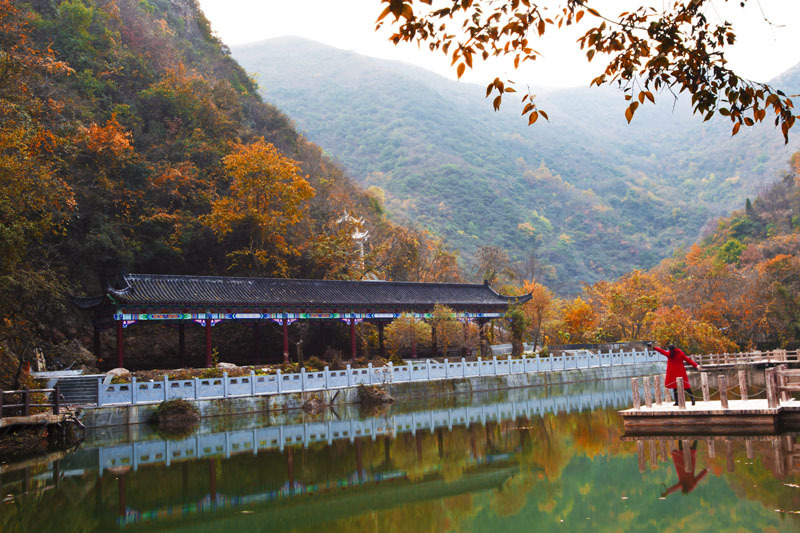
[688,391]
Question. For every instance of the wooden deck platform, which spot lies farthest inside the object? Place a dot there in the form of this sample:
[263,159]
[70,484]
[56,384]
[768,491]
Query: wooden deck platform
[745,416]
[742,417]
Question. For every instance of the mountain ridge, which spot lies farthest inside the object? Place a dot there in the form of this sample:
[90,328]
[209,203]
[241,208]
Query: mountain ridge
[601,196]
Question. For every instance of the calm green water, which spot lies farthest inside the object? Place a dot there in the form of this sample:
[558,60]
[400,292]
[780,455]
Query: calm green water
[524,460]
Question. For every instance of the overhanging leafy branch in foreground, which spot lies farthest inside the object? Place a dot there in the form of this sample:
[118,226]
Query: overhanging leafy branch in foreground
[676,49]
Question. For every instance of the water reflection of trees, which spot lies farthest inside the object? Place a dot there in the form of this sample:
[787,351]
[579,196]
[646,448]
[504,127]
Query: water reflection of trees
[541,469]
[757,468]
[539,447]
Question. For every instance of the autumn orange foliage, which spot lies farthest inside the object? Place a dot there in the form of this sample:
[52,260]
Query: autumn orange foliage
[111,140]
[266,194]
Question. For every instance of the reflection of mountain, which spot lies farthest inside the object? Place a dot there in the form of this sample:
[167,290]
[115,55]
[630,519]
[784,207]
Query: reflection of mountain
[330,502]
[597,196]
[553,470]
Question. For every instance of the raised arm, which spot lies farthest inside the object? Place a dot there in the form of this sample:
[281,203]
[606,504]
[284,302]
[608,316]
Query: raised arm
[672,489]
[687,358]
[663,352]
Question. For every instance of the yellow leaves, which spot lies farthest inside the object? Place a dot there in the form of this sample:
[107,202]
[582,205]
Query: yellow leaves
[675,325]
[781,262]
[43,141]
[34,201]
[579,320]
[266,192]
[468,57]
[675,47]
[17,55]
[179,185]
[527,228]
[406,331]
[496,102]
[630,111]
[398,8]
[384,13]
[110,140]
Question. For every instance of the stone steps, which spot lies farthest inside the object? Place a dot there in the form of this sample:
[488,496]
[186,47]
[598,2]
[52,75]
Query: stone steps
[79,390]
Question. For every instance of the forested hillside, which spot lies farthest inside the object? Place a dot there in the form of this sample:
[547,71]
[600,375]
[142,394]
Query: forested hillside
[131,140]
[588,194]
[738,288]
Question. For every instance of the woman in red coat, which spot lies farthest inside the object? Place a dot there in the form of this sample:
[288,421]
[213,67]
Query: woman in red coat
[675,369]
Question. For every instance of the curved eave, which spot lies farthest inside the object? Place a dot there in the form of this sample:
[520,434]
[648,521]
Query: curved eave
[87,302]
[513,300]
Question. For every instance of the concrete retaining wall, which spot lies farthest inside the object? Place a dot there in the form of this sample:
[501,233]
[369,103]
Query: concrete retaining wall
[94,417]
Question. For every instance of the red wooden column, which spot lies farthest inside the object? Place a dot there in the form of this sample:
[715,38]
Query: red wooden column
[473,445]
[353,338]
[290,468]
[256,344]
[359,462]
[465,327]
[182,342]
[212,481]
[98,493]
[380,339]
[285,340]
[122,501]
[96,340]
[184,481]
[119,344]
[484,340]
[208,343]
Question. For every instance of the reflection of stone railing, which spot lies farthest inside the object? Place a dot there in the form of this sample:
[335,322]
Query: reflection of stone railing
[277,437]
[257,385]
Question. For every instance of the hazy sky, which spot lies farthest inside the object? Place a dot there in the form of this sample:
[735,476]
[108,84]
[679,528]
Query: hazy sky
[762,52]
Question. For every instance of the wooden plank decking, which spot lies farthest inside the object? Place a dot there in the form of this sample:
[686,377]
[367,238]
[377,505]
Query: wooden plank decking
[746,416]
[710,418]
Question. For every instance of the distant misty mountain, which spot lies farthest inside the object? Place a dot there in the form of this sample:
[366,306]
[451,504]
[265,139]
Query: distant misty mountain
[590,195]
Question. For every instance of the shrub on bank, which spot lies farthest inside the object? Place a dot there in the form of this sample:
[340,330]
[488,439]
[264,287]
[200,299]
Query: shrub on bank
[175,418]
